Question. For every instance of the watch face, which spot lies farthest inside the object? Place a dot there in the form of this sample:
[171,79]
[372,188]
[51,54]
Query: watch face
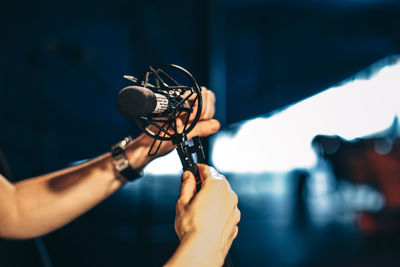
[121,162]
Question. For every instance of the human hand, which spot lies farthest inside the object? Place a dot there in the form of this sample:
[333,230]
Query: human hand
[138,149]
[208,219]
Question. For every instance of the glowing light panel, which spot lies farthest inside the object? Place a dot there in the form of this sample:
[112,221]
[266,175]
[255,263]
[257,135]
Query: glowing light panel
[282,142]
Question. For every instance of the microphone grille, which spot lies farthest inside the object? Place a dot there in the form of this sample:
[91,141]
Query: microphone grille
[135,101]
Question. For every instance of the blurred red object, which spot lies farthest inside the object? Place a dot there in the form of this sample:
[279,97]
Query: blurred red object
[363,162]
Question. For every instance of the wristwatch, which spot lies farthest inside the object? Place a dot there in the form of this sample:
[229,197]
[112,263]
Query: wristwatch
[121,162]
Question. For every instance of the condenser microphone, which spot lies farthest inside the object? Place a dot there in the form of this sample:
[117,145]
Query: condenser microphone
[135,102]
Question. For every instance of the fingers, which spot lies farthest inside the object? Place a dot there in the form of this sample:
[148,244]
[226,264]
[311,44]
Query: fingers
[213,213]
[204,171]
[208,110]
[212,178]
[188,188]
[208,106]
[206,125]
[234,218]
[231,237]
[205,128]
[231,228]
[217,183]
[208,172]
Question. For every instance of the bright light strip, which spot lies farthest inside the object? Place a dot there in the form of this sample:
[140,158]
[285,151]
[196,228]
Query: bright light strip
[169,164]
[282,142]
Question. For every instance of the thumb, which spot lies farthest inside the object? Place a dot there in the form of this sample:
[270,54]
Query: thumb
[188,187]
[205,128]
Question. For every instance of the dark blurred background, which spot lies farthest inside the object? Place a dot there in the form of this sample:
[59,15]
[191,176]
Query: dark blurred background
[61,67]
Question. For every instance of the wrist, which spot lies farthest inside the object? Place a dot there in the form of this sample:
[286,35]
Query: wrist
[196,250]
[122,164]
[136,152]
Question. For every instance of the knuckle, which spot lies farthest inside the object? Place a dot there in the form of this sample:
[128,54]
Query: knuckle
[212,171]
[234,198]
[239,215]
[211,94]
[236,232]
[222,184]
[214,183]
[221,176]
[178,205]
[217,185]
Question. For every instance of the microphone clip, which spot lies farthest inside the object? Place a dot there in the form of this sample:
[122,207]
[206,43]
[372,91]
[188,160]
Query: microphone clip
[190,153]
[185,101]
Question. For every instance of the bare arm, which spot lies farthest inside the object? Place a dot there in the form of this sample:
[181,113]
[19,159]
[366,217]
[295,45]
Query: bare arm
[42,204]
[39,205]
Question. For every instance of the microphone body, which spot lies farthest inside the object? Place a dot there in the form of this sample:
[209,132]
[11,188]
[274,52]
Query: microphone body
[135,102]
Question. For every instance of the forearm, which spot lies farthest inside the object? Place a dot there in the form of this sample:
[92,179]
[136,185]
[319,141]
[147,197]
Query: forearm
[48,202]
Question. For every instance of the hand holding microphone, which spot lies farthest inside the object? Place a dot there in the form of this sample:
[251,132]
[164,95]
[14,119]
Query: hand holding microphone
[135,102]
[173,114]
[211,217]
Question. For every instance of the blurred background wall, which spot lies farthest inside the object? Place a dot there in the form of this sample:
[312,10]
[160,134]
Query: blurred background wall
[61,67]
